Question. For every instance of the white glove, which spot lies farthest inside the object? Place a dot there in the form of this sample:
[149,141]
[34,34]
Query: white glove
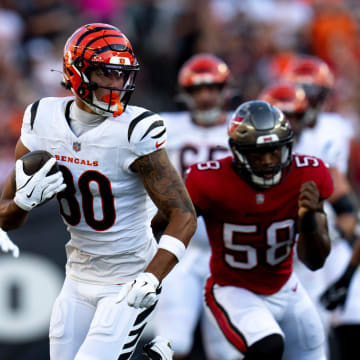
[32,190]
[7,245]
[159,348]
[140,293]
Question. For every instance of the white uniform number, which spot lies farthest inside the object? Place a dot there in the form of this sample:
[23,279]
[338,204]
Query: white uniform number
[306,161]
[279,238]
[191,154]
[209,165]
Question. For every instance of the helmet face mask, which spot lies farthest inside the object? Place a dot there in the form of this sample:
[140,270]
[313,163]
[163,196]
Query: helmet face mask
[261,141]
[105,51]
[315,94]
[109,98]
[202,80]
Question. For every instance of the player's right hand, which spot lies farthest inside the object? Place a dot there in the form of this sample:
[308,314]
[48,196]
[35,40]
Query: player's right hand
[7,245]
[309,198]
[140,293]
[32,190]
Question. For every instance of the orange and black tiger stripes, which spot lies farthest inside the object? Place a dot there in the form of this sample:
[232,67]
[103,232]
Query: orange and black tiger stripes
[82,43]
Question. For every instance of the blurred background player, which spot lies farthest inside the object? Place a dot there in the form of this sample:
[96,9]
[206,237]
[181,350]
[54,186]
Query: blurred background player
[342,297]
[325,135]
[198,134]
[254,204]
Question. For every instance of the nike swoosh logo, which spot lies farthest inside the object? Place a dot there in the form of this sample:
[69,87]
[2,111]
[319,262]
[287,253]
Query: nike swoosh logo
[28,180]
[29,195]
[158,144]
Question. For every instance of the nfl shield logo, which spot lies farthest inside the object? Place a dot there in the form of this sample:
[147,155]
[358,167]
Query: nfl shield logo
[77,146]
[260,198]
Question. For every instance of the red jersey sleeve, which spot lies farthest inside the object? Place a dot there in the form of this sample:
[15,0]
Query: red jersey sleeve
[311,168]
[325,185]
[193,184]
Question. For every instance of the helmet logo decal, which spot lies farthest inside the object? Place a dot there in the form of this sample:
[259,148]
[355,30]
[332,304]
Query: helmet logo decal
[97,58]
[238,119]
[202,79]
[119,60]
[267,139]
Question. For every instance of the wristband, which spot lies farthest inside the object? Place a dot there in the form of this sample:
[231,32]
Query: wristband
[173,245]
[308,222]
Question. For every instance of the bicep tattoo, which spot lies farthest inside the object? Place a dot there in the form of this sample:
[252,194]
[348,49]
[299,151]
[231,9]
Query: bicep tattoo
[163,183]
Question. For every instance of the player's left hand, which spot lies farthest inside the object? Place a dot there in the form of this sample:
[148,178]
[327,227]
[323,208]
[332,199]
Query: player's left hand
[7,245]
[140,293]
[309,198]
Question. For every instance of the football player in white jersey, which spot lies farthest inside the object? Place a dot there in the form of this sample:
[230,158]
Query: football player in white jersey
[112,158]
[326,135]
[199,134]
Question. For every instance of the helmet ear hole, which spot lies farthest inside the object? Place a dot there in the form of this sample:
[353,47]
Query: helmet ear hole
[92,85]
[81,91]
[79,63]
[66,84]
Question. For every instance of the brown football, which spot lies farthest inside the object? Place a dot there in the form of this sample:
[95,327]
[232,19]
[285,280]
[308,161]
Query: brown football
[34,160]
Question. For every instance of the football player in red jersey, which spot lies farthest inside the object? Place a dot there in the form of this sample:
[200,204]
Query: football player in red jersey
[254,204]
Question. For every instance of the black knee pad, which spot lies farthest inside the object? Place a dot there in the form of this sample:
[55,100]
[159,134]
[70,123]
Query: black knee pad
[270,348]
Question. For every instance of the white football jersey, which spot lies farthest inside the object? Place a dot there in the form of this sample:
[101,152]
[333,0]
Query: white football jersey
[189,143]
[104,202]
[329,140]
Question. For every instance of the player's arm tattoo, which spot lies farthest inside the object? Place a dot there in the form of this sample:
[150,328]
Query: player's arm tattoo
[168,192]
[163,183]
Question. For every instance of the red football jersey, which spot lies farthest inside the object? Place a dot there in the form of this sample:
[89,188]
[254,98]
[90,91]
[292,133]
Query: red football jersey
[251,231]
